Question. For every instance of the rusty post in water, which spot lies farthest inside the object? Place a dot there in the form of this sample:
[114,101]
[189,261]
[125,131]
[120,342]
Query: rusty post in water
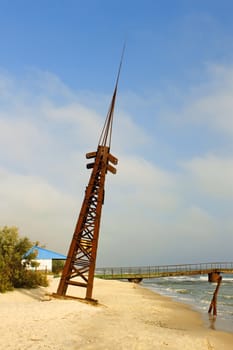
[213,304]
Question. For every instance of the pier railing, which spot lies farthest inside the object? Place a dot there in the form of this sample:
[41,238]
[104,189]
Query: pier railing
[163,270]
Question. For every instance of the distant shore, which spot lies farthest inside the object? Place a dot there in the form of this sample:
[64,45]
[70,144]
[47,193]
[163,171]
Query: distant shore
[127,316]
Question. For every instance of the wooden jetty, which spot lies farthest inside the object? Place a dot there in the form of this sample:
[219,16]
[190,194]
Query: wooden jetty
[137,274]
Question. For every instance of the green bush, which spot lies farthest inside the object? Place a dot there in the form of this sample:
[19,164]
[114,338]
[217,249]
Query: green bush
[14,273]
[57,266]
[31,279]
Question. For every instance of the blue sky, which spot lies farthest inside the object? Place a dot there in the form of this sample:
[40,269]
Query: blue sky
[172,198]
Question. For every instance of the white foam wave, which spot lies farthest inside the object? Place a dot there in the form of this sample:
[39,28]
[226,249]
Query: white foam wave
[182,291]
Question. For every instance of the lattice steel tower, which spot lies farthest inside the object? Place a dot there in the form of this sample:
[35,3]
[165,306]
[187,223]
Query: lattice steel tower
[79,268]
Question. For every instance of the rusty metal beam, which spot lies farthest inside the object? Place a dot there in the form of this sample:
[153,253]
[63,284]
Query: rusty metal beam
[81,259]
[213,304]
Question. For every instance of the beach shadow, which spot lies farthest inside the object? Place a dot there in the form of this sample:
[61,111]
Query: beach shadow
[38,294]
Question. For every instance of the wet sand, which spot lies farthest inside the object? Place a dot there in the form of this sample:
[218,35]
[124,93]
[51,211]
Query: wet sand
[127,316]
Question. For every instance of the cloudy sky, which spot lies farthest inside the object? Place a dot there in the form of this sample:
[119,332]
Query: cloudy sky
[171,200]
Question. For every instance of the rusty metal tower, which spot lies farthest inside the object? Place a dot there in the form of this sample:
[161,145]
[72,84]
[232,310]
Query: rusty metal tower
[79,268]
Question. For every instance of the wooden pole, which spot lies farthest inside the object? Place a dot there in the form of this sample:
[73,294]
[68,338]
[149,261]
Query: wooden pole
[213,304]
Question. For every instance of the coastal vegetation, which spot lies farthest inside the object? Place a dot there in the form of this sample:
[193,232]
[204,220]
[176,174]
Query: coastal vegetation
[57,266]
[14,263]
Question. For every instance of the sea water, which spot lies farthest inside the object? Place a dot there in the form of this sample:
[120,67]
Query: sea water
[198,292]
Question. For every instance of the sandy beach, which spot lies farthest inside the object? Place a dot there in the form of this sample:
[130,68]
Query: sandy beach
[127,317]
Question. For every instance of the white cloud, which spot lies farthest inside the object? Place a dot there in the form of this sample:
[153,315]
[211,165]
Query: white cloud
[36,207]
[140,183]
[127,135]
[211,104]
[163,214]
[20,139]
[82,122]
[43,144]
[212,175]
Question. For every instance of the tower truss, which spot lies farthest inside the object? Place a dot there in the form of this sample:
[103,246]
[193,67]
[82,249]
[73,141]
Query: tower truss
[80,264]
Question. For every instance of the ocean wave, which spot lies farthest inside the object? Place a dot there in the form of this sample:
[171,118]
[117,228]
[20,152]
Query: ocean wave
[196,290]
[227,280]
[179,279]
[227,296]
[203,278]
[183,291]
[209,292]
[202,301]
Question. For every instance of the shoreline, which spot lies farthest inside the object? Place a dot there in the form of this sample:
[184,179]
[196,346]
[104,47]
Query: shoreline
[217,324]
[128,316]
[201,321]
